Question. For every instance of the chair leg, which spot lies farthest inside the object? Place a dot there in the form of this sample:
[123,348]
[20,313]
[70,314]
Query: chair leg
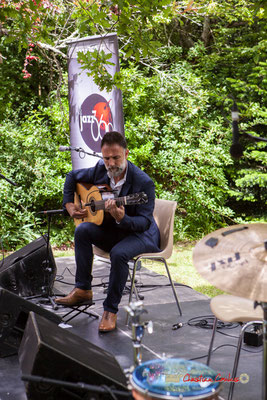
[172,285]
[212,339]
[132,288]
[170,279]
[237,355]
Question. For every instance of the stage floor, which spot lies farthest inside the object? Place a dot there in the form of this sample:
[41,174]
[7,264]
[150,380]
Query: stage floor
[188,342]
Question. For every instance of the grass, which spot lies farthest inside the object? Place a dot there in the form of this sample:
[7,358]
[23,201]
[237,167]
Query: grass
[180,264]
[183,271]
[63,253]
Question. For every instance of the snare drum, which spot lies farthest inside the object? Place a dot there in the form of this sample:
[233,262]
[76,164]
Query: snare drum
[175,377]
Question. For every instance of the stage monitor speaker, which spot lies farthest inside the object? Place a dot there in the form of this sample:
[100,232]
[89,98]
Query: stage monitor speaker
[26,272]
[52,352]
[14,311]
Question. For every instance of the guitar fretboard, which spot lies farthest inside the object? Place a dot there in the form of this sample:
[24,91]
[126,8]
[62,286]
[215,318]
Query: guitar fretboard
[100,204]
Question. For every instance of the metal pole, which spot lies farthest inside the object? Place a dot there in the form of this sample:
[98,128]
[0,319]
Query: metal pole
[264,369]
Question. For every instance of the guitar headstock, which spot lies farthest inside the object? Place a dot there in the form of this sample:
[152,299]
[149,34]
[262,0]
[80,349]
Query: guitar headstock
[137,198]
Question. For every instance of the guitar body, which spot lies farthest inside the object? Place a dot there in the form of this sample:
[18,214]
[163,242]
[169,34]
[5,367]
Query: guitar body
[93,198]
[86,193]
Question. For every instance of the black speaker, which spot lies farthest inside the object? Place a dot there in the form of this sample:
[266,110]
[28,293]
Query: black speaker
[26,271]
[14,311]
[52,352]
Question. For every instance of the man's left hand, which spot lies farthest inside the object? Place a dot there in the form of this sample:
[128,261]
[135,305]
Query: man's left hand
[116,212]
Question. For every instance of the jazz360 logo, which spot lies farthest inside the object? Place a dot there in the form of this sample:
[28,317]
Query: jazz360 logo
[95,119]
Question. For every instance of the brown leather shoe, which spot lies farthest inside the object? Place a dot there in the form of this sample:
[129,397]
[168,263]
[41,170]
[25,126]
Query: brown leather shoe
[108,322]
[77,297]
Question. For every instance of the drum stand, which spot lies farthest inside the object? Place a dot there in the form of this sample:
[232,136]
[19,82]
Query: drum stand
[135,310]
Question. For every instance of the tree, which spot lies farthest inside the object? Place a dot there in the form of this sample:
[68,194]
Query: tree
[182,63]
[46,26]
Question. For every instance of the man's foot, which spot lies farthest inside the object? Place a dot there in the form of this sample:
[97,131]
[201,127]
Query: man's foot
[108,322]
[77,297]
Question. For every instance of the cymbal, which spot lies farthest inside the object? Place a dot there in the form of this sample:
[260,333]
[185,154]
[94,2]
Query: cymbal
[234,259]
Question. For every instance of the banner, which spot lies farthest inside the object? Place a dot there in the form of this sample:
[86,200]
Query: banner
[92,112]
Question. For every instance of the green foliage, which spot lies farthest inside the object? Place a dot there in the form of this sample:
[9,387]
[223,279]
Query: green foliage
[182,269]
[182,63]
[182,144]
[98,61]
[28,156]
[134,23]
[18,96]
[234,67]
[26,20]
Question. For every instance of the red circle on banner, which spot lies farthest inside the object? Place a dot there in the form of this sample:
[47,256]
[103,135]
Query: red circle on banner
[95,119]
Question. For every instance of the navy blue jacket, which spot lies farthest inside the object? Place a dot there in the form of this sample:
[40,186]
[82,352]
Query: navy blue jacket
[138,219]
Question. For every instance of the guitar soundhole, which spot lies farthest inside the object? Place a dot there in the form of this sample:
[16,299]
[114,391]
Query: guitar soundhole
[92,206]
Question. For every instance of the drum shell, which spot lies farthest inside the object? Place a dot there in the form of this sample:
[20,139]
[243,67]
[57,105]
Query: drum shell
[149,396]
[146,393]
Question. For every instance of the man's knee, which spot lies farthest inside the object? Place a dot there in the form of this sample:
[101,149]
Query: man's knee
[118,256]
[82,231]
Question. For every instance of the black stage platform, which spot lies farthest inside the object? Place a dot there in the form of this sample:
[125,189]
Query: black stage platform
[189,342]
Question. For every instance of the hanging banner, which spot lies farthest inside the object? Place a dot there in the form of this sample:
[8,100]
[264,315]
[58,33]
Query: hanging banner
[92,112]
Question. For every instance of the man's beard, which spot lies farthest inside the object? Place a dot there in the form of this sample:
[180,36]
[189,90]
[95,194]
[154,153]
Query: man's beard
[116,171]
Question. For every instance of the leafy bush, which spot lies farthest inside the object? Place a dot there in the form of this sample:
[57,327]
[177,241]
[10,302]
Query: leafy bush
[174,107]
[29,157]
[182,144]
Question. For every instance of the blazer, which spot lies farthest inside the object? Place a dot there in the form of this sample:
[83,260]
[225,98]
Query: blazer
[138,219]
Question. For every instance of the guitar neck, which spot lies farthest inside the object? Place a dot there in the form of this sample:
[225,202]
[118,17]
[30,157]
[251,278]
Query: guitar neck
[100,204]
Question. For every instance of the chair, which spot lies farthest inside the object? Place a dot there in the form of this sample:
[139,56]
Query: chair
[164,216]
[230,308]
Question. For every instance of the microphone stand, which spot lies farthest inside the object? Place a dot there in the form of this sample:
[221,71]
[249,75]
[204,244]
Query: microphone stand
[8,180]
[81,150]
[14,184]
[254,138]
[47,269]
[47,291]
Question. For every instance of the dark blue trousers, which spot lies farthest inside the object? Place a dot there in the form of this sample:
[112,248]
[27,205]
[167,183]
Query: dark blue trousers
[122,247]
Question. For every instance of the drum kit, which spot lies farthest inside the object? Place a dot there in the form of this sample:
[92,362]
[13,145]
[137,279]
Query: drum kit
[233,259]
[168,378]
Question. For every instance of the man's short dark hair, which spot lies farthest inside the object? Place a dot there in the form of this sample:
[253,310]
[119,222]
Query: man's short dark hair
[114,137]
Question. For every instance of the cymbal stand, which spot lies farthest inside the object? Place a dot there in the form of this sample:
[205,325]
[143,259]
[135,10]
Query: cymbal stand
[264,369]
[264,359]
[135,310]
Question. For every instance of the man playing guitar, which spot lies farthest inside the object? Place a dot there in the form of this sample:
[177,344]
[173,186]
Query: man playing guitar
[128,232]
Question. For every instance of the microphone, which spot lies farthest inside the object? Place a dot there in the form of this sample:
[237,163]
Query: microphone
[69,148]
[52,212]
[236,150]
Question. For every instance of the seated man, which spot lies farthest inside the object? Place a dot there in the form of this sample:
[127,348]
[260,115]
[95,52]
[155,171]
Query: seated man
[130,230]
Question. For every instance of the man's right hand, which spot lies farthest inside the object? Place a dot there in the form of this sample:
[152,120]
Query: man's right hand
[75,211]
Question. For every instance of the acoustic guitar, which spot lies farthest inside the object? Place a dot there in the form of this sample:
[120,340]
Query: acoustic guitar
[93,198]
